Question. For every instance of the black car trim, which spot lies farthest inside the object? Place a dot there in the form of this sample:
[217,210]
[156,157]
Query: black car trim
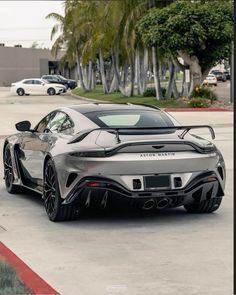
[133,131]
[201,180]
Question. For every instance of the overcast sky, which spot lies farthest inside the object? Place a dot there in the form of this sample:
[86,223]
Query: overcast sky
[23,22]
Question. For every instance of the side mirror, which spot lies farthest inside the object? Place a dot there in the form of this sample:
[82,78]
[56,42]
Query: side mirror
[23,126]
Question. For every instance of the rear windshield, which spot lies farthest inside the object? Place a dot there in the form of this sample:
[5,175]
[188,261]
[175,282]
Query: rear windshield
[130,119]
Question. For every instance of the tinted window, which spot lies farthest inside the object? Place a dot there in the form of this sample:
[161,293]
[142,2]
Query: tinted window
[28,82]
[37,82]
[42,126]
[62,78]
[130,118]
[55,79]
[56,122]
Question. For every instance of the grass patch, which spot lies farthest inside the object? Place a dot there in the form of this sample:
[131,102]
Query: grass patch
[9,281]
[117,97]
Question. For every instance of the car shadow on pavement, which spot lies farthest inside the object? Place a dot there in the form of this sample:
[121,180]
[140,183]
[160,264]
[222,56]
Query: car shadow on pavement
[118,217]
[26,195]
[137,218]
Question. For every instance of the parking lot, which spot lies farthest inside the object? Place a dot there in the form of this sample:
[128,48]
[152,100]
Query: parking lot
[170,252]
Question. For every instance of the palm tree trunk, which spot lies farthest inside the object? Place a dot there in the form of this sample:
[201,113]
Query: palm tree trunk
[115,63]
[132,74]
[137,70]
[102,71]
[175,90]
[156,74]
[145,70]
[85,76]
[171,80]
[90,74]
[93,79]
[80,74]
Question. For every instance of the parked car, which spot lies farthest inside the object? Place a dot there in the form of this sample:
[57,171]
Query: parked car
[68,83]
[227,75]
[104,155]
[36,86]
[220,76]
[210,80]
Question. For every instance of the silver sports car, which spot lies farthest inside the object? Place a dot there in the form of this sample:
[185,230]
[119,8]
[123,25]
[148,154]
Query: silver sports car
[103,155]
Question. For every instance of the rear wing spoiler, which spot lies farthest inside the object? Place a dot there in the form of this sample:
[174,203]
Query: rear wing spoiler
[139,131]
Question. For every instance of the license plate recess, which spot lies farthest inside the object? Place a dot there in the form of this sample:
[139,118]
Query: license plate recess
[157,182]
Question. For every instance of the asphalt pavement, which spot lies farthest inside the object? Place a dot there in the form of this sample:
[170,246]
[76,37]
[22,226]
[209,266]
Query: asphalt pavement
[171,252]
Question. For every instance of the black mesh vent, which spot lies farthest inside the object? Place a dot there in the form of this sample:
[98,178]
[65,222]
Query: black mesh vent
[220,170]
[197,195]
[209,193]
[70,179]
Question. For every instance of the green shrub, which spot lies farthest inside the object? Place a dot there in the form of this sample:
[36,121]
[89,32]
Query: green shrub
[199,102]
[203,92]
[9,281]
[151,92]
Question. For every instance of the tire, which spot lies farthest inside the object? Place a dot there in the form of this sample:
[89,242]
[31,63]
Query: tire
[8,172]
[207,206]
[20,91]
[51,91]
[52,199]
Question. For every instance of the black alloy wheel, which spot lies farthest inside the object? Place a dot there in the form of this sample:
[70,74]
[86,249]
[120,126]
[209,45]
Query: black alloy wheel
[56,211]
[51,91]
[20,91]
[8,171]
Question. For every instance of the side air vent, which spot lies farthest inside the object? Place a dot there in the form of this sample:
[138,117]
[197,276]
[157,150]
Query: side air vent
[220,170]
[70,179]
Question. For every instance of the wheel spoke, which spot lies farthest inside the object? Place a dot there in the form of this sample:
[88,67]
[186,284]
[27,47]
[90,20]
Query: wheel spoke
[8,169]
[49,189]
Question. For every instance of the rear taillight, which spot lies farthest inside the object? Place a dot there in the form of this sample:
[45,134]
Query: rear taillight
[94,184]
[89,154]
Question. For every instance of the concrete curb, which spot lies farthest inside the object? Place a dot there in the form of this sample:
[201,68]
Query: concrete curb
[31,280]
[85,98]
[197,110]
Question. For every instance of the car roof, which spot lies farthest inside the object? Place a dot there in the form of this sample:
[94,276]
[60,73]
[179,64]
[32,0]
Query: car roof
[32,79]
[99,107]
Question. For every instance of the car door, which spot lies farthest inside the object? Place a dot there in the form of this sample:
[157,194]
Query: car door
[27,85]
[35,145]
[39,87]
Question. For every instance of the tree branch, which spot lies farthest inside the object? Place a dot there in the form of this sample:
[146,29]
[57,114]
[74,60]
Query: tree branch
[178,64]
[185,56]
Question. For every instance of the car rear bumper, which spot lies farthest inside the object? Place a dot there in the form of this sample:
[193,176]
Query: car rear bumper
[100,191]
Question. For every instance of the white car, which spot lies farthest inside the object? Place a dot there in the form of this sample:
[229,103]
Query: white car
[36,86]
[210,80]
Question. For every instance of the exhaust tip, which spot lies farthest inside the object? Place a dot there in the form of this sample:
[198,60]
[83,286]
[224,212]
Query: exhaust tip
[163,203]
[148,204]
